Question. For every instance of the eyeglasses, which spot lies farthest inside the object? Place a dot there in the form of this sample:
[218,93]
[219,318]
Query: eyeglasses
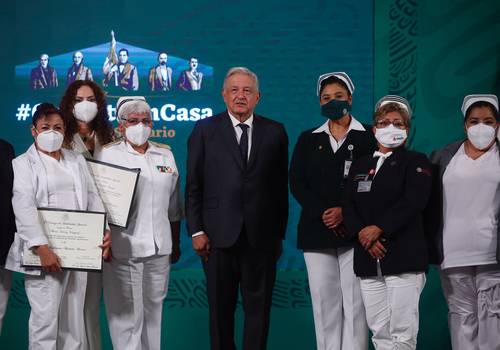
[384,123]
[135,121]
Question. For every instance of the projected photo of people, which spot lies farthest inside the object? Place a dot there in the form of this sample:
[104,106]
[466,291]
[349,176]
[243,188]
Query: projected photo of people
[44,76]
[117,69]
[190,79]
[78,71]
[160,76]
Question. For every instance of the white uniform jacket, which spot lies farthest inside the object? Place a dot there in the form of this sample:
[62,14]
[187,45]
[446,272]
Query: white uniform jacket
[31,192]
[156,202]
[80,147]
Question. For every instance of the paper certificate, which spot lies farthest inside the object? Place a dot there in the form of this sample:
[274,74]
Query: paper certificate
[116,186]
[74,236]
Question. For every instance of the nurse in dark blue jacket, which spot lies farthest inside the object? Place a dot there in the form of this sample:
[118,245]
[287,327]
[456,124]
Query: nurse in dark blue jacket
[386,194]
[318,171]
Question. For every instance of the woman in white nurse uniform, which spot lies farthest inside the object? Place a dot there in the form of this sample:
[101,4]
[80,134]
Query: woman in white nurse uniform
[136,280]
[49,176]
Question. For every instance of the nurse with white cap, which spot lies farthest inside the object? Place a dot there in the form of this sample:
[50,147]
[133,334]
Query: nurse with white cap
[318,171]
[468,237]
[136,280]
[386,194]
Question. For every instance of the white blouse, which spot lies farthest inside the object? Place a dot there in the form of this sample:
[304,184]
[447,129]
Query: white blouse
[471,198]
[60,183]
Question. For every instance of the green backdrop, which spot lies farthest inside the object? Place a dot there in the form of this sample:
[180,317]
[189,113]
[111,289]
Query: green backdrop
[432,52]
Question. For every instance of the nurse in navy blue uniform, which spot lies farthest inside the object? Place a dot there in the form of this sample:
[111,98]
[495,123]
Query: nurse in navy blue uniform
[385,196]
[318,172]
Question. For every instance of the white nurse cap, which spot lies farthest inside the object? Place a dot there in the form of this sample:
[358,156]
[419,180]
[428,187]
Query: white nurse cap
[401,101]
[340,75]
[126,100]
[471,99]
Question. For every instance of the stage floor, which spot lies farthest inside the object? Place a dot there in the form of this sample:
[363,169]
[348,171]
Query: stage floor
[185,320]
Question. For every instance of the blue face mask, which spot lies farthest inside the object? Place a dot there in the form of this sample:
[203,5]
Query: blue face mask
[335,109]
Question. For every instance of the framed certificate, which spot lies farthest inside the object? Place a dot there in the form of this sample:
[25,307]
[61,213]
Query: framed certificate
[116,186]
[74,236]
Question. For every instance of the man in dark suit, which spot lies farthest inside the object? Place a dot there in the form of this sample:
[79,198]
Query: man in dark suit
[7,226]
[237,209]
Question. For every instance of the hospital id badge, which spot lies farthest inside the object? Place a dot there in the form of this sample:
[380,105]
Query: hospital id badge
[347,167]
[364,186]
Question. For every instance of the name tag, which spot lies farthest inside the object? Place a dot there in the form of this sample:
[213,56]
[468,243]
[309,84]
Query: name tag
[360,177]
[364,186]
[347,166]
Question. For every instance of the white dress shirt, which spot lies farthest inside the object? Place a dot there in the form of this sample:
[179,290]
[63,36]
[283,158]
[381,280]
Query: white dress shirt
[163,71]
[156,203]
[471,198]
[60,183]
[353,125]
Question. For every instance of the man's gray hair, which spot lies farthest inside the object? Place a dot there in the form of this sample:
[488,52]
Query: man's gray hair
[241,70]
[132,105]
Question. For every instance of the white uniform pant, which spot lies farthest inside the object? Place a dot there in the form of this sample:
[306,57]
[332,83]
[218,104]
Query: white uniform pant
[56,318]
[339,315]
[473,297]
[91,310]
[5,283]
[391,304]
[134,290]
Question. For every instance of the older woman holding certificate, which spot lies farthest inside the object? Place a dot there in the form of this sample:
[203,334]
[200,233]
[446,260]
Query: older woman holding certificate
[50,177]
[136,280]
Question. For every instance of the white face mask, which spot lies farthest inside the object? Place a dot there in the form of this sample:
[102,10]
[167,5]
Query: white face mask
[138,134]
[390,136]
[481,135]
[49,140]
[85,111]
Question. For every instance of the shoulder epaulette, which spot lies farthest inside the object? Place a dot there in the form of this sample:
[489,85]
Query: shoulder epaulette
[161,145]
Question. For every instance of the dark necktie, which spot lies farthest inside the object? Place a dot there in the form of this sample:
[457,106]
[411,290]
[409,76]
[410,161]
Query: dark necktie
[244,142]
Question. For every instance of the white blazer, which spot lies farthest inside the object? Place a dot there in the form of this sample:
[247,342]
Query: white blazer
[30,192]
[80,147]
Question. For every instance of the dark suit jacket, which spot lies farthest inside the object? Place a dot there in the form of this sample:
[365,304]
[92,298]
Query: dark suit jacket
[222,197]
[398,196]
[317,182]
[434,216]
[7,226]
